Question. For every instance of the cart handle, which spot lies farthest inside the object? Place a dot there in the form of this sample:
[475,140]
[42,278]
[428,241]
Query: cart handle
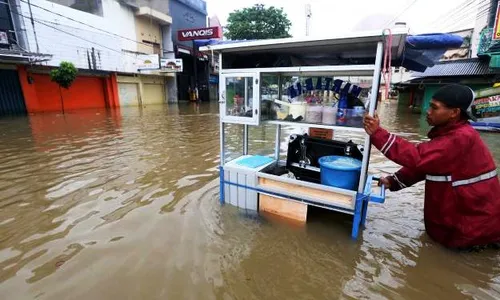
[378,198]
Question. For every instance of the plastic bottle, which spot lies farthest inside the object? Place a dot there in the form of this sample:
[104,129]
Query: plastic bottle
[343,105]
[342,109]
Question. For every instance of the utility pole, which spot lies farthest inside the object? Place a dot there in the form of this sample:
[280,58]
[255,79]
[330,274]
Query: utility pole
[308,18]
[33,24]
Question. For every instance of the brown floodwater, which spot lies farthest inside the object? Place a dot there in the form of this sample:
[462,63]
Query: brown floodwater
[125,205]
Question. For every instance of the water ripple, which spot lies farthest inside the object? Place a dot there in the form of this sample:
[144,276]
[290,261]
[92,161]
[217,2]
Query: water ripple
[125,204]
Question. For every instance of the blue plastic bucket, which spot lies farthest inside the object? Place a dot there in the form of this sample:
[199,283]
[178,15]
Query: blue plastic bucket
[340,171]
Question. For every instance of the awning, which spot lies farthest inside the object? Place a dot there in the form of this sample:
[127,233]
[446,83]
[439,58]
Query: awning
[462,67]
[412,52]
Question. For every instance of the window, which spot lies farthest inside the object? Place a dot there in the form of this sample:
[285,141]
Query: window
[157,49]
[88,6]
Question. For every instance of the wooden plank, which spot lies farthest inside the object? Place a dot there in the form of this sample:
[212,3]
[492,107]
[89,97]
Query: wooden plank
[285,208]
[329,197]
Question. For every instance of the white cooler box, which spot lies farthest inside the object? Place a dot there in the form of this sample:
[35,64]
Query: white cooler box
[240,180]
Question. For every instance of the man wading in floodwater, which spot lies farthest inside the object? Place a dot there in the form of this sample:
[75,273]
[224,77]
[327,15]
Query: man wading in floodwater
[462,190]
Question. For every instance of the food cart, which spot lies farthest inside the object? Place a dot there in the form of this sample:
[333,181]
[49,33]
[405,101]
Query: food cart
[316,83]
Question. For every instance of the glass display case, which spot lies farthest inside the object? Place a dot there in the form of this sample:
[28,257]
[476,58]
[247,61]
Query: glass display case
[239,98]
[324,98]
[332,96]
[319,100]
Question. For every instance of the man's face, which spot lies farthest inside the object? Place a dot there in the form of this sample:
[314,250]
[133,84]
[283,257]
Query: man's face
[439,114]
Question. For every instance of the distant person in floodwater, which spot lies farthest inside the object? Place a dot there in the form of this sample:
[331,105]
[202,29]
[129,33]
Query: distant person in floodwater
[462,190]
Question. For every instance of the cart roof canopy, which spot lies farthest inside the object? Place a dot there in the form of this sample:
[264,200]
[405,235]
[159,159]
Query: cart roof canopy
[412,52]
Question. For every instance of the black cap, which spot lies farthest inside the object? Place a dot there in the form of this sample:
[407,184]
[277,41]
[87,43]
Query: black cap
[457,96]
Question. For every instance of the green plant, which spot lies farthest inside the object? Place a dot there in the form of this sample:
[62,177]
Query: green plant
[257,23]
[64,75]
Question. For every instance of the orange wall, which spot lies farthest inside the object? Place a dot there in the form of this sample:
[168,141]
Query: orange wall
[85,92]
[111,90]
[44,95]
[47,92]
[29,91]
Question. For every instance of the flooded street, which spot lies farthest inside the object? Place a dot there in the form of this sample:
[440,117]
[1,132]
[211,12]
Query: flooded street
[125,205]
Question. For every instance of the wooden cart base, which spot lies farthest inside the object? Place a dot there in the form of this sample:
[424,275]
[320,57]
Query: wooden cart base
[290,198]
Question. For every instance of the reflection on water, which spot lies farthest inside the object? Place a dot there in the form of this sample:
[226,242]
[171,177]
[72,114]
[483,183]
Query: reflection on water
[124,204]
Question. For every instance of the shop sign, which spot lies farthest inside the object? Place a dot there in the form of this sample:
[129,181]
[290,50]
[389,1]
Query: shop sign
[148,62]
[199,34]
[496,30]
[486,107]
[171,65]
[213,79]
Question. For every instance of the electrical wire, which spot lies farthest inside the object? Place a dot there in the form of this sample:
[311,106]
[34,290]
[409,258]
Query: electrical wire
[459,23]
[469,13]
[480,14]
[458,26]
[448,13]
[466,16]
[91,26]
[74,35]
[402,12]
[43,22]
[487,11]
[465,9]
[459,15]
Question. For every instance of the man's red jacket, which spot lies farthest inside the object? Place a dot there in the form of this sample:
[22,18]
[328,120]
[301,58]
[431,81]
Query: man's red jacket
[462,190]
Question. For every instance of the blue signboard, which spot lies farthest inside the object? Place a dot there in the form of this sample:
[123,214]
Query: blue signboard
[214,79]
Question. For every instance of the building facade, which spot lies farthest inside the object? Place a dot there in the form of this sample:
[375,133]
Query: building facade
[116,45]
[190,14]
[473,64]
[14,52]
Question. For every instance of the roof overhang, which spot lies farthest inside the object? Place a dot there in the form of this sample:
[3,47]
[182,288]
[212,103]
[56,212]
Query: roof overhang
[21,57]
[159,17]
[353,45]
[418,81]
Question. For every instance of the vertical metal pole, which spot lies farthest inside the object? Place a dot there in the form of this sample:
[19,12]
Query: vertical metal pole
[278,127]
[245,127]
[33,24]
[222,107]
[308,18]
[222,143]
[371,109]
[195,67]
[245,139]
[246,91]
[277,143]
[279,86]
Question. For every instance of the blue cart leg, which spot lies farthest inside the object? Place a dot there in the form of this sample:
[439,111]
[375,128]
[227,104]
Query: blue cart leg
[355,226]
[364,212]
[357,217]
[221,185]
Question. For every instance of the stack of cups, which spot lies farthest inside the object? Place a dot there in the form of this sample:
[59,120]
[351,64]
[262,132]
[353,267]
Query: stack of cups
[329,115]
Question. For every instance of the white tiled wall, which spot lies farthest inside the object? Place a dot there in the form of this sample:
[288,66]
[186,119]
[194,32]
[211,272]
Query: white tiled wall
[75,46]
